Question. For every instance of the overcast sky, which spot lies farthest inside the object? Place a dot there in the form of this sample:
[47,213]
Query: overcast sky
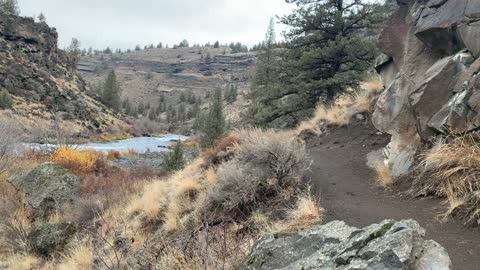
[125,23]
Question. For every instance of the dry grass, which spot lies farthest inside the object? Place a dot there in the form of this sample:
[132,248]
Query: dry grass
[306,214]
[451,169]
[198,218]
[14,233]
[340,113]
[383,175]
[23,262]
[79,257]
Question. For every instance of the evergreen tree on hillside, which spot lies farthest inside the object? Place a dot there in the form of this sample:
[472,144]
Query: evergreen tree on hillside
[214,125]
[174,160]
[216,45]
[141,107]
[183,44]
[6,101]
[138,48]
[9,7]
[127,107]
[152,115]
[324,57]
[41,18]
[265,84]
[160,45]
[231,92]
[111,91]
[73,53]
[182,113]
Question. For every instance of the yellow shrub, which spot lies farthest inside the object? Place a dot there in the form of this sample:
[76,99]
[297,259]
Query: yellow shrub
[79,162]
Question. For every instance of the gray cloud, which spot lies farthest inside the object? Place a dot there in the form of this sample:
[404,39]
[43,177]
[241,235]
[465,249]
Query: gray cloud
[125,23]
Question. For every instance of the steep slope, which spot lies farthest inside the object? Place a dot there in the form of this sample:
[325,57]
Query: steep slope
[146,75]
[42,85]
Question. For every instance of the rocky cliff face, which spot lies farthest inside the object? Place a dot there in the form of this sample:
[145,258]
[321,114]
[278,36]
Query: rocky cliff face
[37,75]
[429,69]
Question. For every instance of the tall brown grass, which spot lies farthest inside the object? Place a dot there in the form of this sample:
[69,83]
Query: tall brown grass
[383,175]
[451,169]
[341,111]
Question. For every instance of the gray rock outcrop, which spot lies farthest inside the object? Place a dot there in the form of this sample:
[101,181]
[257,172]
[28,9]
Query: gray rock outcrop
[47,187]
[46,239]
[336,245]
[429,70]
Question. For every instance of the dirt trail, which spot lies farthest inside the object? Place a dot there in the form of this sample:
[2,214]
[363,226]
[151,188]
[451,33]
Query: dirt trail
[348,192]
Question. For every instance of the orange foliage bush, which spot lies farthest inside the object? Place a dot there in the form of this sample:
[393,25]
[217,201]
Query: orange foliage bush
[221,151]
[79,162]
[113,155]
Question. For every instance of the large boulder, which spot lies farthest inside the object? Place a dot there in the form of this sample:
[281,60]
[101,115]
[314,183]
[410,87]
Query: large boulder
[47,187]
[47,239]
[387,245]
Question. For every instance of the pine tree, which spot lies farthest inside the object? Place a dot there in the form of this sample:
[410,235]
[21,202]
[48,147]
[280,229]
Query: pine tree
[138,48]
[216,45]
[6,101]
[160,45]
[111,91]
[214,126]
[323,58]
[174,160]
[141,108]
[41,18]
[182,113]
[182,97]
[264,85]
[231,93]
[152,115]
[127,107]
[73,53]
[9,7]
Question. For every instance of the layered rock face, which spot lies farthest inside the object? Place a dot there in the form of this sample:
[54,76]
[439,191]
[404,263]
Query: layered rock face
[429,69]
[39,77]
[336,245]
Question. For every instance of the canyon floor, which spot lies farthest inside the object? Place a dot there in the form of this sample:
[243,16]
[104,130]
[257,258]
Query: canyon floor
[347,190]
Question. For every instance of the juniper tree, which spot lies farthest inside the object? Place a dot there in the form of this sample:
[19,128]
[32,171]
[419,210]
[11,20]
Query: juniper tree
[111,91]
[9,7]
[265,86]
[182,113]
[73,53]
[324,56]
[231,93]
[41,18]
[214,125]
[6,101]
[174,160]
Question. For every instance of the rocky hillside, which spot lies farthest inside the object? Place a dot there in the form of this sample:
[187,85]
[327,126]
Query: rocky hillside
[147,74]
[429,69]
[40,82]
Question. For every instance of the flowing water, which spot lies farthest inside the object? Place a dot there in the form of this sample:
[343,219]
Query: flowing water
[138,144]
